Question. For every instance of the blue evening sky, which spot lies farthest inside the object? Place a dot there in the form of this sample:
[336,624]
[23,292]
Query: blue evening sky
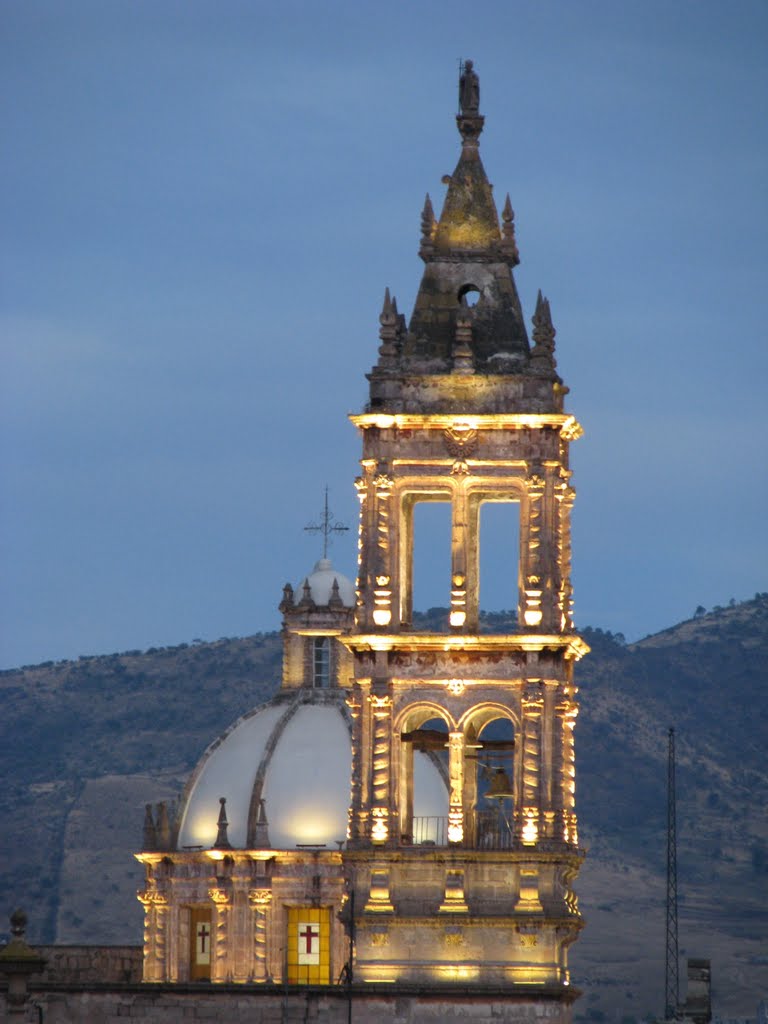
[202,203]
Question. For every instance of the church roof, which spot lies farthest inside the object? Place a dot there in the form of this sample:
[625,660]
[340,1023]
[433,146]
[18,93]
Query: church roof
[465,348]
[321,584]
[296,756]
[468,257]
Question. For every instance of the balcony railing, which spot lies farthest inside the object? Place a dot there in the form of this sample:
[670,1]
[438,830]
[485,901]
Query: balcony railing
[490,832]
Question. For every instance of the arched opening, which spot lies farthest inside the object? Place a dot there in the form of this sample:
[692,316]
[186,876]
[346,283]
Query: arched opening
[469,295]
[424,779]
[430,564]
[490,785]
[498,565]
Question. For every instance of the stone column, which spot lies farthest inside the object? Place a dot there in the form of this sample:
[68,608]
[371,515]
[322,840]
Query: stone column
[570,825]
[564,495]
[532,570]
[456,780]
[532,709]
[383,568]
[464,568]
[364,591]
[155,928]
[220,961]
[259,900]
[381,768]
[356,703]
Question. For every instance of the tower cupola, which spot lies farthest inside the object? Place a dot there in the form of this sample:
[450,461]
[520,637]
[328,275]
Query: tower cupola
[467,320]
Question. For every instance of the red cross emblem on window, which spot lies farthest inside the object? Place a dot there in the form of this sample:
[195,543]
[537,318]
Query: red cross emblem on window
[309,943]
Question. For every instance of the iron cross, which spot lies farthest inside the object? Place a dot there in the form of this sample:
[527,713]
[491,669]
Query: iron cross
[326,526]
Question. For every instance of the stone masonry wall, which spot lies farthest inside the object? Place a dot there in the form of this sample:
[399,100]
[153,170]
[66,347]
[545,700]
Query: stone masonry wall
[83,964]
[161,1004]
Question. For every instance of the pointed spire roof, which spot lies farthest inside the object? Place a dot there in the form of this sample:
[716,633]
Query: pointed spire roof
[468,222]
[467,328]
[222,842]
[467,254]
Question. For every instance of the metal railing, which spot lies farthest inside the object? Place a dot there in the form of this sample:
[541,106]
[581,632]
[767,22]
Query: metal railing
[491,832]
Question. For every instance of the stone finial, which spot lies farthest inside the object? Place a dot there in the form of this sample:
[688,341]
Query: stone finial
[463,362]
[508,240]
[222,842]
[389,332]
[17,961]
[334,601]
[543,352]
[428,227]
[149,841]
[287,601]
[163,827]
[261,831]
[306,595]
[18,924]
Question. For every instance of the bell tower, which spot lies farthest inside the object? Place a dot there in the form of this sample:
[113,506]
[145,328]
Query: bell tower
[463,409]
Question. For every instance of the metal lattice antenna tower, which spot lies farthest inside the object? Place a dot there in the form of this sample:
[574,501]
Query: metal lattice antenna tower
[326,526]
[671,973]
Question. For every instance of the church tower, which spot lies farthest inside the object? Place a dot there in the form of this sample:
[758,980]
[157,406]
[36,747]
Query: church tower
[464,410]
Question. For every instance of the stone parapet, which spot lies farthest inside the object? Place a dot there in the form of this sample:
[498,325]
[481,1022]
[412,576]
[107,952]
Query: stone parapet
[247,1004]
[83,964]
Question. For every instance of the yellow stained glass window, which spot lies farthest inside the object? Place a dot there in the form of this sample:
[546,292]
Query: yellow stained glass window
[309,946]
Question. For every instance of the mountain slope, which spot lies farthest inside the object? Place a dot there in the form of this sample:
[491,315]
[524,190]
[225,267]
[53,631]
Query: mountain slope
[83,745]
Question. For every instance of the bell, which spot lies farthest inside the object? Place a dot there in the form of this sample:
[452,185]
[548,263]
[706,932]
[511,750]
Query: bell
[500,787]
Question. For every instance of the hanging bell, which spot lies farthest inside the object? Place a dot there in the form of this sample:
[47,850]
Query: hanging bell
[500,787]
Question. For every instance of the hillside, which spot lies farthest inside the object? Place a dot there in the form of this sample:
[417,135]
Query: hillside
[85,744]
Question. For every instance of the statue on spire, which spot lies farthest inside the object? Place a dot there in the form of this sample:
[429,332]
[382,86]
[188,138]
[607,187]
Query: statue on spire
[469,90]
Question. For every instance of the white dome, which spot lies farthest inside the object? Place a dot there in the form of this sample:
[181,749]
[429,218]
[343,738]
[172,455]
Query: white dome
[302,753]
[321,584]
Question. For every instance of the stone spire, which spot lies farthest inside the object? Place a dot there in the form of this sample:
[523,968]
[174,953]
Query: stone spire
[468,255]
[222,842]
[543,352]
[150,832]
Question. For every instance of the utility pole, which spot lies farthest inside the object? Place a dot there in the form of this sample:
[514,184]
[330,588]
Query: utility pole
[671,973]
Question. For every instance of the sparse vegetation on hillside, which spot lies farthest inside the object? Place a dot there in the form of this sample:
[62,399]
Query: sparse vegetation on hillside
[69,723]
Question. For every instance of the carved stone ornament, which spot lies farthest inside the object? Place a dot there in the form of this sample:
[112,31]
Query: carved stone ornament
[152,896]
[260,898]
[461,442]
[219,896]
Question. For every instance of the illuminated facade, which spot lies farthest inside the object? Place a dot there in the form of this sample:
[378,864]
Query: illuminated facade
[463,410]
[441,844]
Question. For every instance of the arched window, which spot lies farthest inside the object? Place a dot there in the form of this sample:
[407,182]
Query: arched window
[321,661]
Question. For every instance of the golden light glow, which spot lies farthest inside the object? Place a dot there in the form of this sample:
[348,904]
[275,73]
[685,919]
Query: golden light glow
[458,618]
[532,617]
[379,827]
[530,833]
[573,646]
[382,616]
[456,972]
[214,854]
[567,424]
[455,827]
[530,975]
